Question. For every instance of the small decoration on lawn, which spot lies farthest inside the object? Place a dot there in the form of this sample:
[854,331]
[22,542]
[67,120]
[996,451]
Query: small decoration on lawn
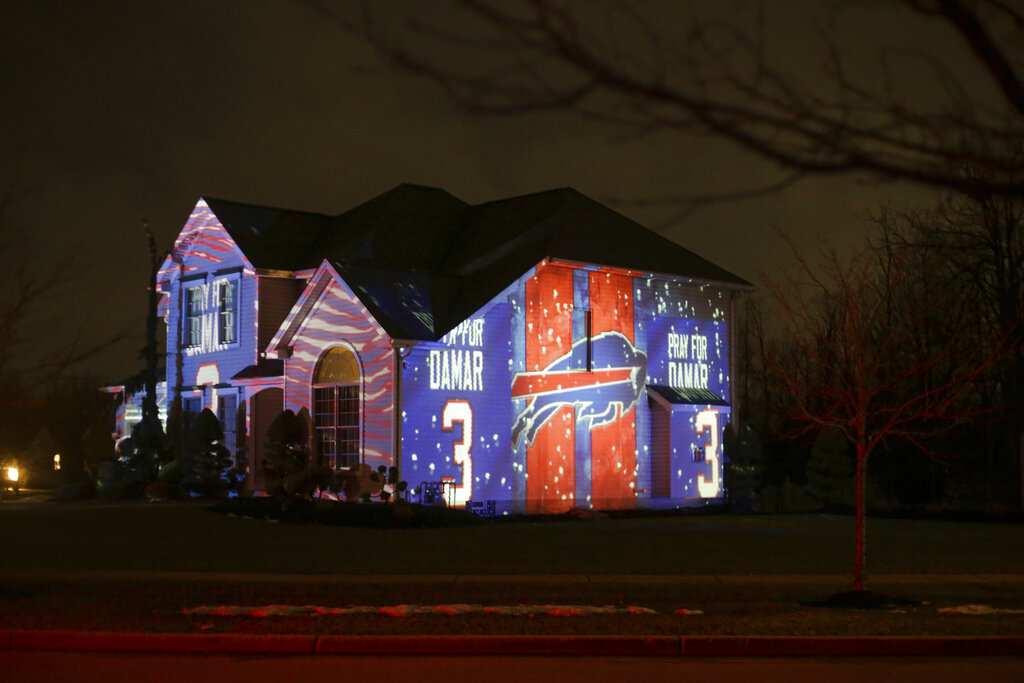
[387,478]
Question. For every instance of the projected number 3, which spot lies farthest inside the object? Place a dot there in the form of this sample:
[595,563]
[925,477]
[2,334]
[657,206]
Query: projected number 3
[460,411]
[707,423]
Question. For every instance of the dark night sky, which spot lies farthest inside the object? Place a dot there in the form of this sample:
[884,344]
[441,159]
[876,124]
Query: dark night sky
[114,111]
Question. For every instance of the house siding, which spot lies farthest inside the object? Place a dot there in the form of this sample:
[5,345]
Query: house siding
[457,411]
[276,296]
[534,451]
[536,403]
[338,318]
[686,334]
[661,451]
[205,256]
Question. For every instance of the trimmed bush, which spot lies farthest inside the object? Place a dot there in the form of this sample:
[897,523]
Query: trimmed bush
[399,515]
[78,490]
[206,459]
[111,490]
[161,491]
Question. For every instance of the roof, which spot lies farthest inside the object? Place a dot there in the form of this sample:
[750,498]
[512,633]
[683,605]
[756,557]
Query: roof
[265,368]
[271,238]
[687,396]
[408,304]
[422,260]
[398,229]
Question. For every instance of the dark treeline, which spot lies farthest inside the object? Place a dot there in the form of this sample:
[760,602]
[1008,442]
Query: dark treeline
[910,351]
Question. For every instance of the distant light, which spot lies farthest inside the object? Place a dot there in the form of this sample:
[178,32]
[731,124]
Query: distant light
[12,473]
[56,461]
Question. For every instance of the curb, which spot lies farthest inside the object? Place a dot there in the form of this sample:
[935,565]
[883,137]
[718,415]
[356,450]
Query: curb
[609,646]
[853,646]
[537,646]
[159,642]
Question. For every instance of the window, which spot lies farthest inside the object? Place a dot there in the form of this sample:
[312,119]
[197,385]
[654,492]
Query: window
[226,414]
[193,330]
[583,347]
[588,323]
[227,307]
[336,408]
[336,417]
[190,409]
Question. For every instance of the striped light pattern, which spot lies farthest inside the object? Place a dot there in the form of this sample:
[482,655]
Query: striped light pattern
[333,316]
[537,402]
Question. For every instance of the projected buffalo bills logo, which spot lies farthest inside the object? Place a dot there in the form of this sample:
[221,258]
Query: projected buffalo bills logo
[613,386]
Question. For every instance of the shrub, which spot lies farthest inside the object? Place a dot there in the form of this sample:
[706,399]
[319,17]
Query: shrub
[206,459]
[111,490]
[286,461]
[401,515]
[79,490]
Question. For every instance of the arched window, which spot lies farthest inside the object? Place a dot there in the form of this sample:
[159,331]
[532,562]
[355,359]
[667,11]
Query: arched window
[336,409]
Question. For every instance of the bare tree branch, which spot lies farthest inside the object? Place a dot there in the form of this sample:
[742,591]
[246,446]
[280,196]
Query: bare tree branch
[625,65]
[876,351]
[986,50]
[33,298]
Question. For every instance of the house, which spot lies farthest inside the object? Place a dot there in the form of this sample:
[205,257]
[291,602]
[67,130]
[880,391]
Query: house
[532,354]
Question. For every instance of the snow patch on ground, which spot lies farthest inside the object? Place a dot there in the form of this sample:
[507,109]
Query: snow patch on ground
[419,610]
[978,609]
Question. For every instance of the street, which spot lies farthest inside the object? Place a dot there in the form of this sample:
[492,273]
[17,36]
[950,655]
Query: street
[112,667]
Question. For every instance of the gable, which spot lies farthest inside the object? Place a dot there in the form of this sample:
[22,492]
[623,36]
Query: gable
[320,309]
[203,245]
[274,239]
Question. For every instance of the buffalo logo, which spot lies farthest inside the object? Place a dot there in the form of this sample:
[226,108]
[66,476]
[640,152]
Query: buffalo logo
[613,386]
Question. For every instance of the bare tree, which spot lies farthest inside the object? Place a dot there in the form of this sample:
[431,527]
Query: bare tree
[975,245]
[875,351]
[35,300]
[44,338]
[723,69]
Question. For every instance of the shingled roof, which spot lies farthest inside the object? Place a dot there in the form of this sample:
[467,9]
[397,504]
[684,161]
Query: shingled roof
[271,238]
[423,260]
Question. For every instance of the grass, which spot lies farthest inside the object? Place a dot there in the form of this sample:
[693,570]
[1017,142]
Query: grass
[719,564]
[188,537]
[728,609]
[400,515]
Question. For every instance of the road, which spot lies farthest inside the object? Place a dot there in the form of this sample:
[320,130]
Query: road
[44,666]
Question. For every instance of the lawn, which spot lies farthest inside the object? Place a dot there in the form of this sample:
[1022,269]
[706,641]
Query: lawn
[169,606]
[721,565]
[187,537]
